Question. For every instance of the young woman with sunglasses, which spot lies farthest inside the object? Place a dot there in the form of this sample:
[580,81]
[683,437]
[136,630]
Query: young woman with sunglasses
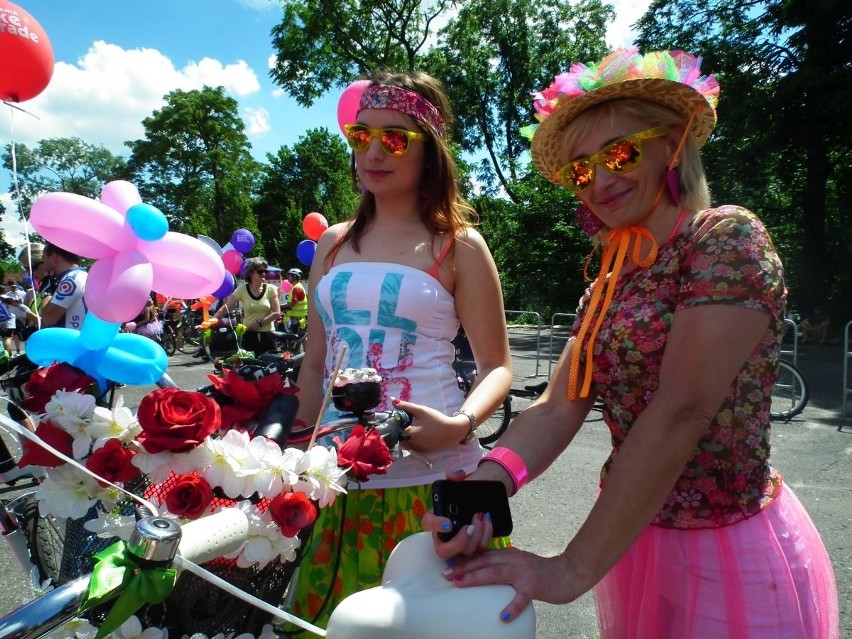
[694,533]
[261,308]
[391,285]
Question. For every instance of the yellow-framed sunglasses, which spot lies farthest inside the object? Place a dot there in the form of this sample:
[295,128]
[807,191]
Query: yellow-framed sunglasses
[622,156]
[394,141]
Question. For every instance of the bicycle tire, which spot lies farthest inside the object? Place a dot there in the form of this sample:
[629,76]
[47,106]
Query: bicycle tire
[168,342]
[45,538]
[493,428]
[188,340]
[790,393]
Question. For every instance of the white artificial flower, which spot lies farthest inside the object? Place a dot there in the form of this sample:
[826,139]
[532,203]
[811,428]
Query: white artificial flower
[276,471]
[320,478]
[71,411]
[158,466]
[66,492]
[118,423]
[132,629]
[76,628]
[221,461]
[109,524]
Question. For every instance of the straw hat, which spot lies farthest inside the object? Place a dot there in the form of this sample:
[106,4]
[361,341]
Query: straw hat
[670,78]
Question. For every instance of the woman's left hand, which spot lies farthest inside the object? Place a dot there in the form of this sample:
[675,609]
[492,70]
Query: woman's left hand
[547,579]
[430,429]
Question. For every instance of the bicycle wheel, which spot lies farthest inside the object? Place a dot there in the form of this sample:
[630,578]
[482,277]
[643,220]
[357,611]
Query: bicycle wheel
[790,393]
[492,428]
[168,342]
[188,339]
[45,538]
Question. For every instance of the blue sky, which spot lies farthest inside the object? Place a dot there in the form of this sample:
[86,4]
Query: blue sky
[116,59]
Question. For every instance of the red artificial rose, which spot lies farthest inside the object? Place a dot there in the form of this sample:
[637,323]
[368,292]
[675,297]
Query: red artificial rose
[113,462]
[176,420]
[35,455]
[248,399]
[189,496]
[292,512]
[44,383]
[365,451]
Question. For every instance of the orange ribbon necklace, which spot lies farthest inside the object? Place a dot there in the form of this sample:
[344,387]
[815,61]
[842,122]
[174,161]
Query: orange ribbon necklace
[616,243]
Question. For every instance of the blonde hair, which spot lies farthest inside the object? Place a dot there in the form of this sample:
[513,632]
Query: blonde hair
[443,209]
[694,191]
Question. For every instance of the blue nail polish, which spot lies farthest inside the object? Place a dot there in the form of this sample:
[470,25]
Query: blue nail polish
[487,516]
[504,616]
[457,471]
[451,561]
[446,526]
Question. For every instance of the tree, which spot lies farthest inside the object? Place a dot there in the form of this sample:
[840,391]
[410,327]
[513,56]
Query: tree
[783,135]
[195,164]
[62,165]
[59,165]
[494,54]
[313,175]
[327,43]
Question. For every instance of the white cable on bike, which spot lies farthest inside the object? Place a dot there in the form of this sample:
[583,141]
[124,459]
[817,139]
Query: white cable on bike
[236,592]
[7,424]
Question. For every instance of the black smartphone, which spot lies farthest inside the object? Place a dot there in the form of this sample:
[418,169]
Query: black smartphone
[459,501]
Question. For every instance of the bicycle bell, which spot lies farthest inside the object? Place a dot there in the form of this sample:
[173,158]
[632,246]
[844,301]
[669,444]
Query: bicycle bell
[155,539]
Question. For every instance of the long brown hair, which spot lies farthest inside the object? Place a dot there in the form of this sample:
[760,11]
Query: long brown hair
[443,209]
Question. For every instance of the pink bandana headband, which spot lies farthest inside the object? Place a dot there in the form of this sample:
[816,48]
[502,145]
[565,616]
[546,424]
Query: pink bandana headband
[387,96]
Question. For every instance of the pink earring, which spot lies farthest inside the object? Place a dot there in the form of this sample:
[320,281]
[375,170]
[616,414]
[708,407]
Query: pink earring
[587,220]
[673,186]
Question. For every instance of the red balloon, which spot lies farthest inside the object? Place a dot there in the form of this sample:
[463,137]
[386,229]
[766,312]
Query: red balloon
[314,225]
[26,55]
[232,260]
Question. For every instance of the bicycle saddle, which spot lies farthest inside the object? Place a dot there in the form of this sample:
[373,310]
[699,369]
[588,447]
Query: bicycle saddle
[416,602]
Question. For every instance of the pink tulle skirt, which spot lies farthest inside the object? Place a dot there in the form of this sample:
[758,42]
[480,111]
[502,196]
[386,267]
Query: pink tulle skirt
[768,577]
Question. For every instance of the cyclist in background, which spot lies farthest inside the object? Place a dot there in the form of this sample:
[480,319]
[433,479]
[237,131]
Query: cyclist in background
[294,303]
[66,306]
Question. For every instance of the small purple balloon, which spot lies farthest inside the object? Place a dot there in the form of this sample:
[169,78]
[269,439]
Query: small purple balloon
[228,285]
[242,240]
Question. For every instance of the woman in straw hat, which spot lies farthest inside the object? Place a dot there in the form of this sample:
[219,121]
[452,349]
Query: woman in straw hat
[693,533]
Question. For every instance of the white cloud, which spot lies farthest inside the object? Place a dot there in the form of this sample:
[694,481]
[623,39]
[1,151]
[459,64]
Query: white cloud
[257,121]
[104,97]
[14,228]
[620,32]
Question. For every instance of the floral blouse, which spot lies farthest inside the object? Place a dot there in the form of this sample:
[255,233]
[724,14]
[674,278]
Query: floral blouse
[725,256]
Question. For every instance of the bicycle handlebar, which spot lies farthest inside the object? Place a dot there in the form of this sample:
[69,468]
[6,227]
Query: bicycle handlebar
[199,541]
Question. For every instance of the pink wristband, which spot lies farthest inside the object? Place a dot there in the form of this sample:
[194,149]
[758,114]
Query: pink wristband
[512,463]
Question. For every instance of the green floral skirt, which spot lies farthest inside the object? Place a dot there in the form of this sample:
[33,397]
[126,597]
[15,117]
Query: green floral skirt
[372,523]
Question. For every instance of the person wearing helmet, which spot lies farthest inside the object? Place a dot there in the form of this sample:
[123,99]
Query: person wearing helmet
[294,303]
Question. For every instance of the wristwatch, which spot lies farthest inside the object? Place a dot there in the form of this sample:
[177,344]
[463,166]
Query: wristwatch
[471,434]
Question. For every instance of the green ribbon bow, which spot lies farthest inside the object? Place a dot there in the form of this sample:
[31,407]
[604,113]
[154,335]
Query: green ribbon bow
[118,570]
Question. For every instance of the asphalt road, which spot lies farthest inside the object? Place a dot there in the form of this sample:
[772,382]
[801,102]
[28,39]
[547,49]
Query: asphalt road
[812,451]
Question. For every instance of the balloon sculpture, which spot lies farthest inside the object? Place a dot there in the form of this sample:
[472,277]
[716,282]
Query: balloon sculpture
[26,56]
[135,253]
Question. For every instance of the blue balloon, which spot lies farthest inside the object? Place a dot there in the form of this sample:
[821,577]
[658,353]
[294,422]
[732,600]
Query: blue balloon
[148,222]
[305,251]
[242,240]
[97,333]
[228,285]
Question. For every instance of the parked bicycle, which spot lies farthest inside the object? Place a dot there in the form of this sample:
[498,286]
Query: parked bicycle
[464,365]
[790,394]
